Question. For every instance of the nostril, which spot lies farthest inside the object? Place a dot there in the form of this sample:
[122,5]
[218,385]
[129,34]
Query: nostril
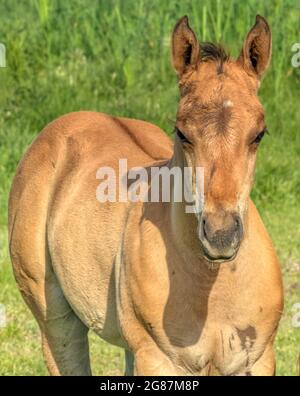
[203,228]
[238,226]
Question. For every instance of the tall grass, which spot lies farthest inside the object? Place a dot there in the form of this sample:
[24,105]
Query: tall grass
[114,56]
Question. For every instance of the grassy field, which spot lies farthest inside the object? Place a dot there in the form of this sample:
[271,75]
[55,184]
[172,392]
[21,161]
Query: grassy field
[113,56]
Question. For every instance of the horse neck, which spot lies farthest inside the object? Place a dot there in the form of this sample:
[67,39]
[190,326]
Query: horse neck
[183,223]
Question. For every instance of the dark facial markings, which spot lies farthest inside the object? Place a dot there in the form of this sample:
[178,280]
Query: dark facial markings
[222,117]
[206,114]
[213,119]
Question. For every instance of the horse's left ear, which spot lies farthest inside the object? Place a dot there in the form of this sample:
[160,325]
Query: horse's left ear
[256,53]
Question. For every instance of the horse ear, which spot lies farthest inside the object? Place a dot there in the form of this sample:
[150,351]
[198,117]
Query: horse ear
[256,53]
[185,47]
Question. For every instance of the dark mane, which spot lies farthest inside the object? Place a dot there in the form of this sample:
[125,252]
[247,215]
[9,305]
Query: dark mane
[214,52]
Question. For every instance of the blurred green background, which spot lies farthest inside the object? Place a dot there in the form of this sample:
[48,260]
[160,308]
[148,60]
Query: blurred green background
[114,56]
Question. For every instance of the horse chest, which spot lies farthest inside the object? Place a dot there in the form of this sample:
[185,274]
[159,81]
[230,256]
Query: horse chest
[224,350]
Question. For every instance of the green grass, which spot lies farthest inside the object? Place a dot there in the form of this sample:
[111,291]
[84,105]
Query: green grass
[113,56]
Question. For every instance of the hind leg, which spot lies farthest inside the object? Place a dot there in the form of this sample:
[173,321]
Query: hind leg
[64,336]
[65,345]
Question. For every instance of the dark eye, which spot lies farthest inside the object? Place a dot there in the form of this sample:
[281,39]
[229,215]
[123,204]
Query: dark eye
[260,136]
[181,136]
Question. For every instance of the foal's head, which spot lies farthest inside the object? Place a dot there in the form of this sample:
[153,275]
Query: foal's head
[220,123]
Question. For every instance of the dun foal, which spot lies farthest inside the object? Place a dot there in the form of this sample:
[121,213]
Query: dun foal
[182,293]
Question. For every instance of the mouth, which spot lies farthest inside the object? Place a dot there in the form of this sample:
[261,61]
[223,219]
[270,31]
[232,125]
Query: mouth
[218,259]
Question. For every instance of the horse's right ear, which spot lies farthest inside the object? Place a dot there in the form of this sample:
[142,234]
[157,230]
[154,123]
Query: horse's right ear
[185,47]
